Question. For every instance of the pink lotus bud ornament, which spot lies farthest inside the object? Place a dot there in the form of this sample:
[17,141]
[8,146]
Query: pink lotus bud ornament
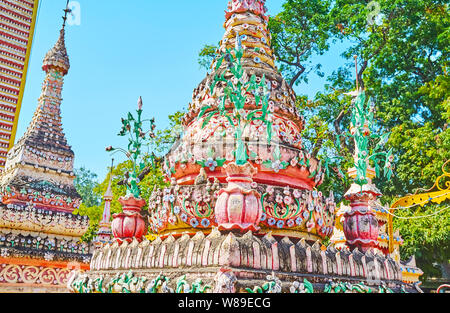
[129,224]
[360,225]
[238,206]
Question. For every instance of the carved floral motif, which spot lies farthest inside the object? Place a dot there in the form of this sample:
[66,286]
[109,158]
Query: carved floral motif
[130,283]
[17,274]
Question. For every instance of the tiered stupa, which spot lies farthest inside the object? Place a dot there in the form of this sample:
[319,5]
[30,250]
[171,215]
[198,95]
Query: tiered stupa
[286,174]
[104,234]
[40,238]
[242,213]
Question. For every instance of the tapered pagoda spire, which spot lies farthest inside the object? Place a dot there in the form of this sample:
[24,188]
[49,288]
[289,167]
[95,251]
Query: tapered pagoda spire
[104,233]
[57,57]
[42,158]
[45,129]
[246,24]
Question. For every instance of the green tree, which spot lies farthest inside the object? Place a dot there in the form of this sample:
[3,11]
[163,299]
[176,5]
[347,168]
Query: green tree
[206,56]
[298,34]
[85,182]
[403,61]
[87,186]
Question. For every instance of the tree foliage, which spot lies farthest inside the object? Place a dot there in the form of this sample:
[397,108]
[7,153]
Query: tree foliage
[206,56]
[85,183]
[87,186]
[297,35]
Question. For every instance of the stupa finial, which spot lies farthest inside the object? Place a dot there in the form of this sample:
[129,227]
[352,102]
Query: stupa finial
[104,233]
[66,11]
[57,57]
[108,194]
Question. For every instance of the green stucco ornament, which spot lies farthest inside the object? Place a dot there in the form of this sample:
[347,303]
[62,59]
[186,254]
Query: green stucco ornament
[368,145]
[133,127]
[236,91]
[361,131]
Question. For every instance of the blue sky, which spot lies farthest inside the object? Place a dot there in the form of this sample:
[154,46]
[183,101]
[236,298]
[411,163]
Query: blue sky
[123,50]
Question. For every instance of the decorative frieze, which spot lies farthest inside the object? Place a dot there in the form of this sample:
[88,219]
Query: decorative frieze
[32,219]
[182,207]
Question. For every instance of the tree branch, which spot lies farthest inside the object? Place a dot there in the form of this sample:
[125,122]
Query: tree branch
[337,128]
[297,76]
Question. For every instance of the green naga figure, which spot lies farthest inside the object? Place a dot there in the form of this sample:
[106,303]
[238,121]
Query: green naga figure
[197,286]
[361,131]
[133,127]
[368,145]
[236,91]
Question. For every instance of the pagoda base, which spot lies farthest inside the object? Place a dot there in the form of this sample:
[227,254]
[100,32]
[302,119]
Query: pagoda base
[232,262]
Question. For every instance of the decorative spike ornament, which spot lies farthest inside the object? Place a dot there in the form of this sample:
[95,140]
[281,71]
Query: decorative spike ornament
[361,226]
[133,126]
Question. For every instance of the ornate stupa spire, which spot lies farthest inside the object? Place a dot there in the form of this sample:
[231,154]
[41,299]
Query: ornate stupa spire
[42,161]
[57,57]
[243,112]
[39,233]
[246,22]
[248,19]
[104,233]
[257,7]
